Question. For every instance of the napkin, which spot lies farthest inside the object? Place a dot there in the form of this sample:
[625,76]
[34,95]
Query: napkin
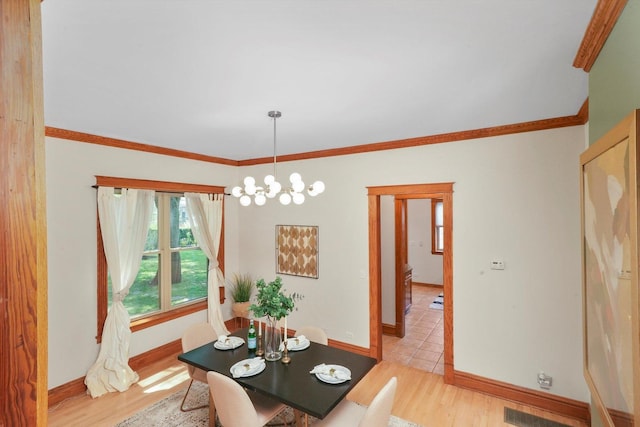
[245,366]
[295,342]
[226,342]
[326,370]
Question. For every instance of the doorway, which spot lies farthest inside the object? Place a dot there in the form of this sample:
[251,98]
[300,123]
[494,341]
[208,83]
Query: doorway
[443,191]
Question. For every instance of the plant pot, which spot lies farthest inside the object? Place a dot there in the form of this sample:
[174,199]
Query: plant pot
[241,309]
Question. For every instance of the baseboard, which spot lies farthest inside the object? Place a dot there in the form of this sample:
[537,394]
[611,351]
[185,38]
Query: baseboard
[77,386]
[552,403]
[427,285]
[388,329]
[66,390]
[621,419]
[349,347]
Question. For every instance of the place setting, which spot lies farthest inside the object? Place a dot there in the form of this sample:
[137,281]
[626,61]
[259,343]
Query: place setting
[296,343]
[331,374]
[248,367]
[228,342]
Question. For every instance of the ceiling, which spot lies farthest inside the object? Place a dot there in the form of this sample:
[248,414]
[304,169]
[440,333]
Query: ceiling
[201,75]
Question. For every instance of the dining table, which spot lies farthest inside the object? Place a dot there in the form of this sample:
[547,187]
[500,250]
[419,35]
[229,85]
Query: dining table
[290,383]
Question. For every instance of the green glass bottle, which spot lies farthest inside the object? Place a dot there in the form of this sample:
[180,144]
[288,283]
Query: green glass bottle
[251,336]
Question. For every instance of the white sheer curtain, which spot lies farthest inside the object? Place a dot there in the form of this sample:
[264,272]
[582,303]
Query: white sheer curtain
[205,215]
[124,221]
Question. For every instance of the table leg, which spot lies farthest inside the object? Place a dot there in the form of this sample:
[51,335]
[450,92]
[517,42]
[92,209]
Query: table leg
[301,419]
[212,411]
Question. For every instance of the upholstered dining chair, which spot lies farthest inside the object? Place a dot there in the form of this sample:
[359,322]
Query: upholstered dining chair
[313,333]
[348,413]
[195,336]
[237,407]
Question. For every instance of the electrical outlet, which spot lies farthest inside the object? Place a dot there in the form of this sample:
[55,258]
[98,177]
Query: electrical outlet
[349,334]
[545,381]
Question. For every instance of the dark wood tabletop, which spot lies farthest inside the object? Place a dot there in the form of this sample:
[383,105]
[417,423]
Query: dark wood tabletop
[290,383]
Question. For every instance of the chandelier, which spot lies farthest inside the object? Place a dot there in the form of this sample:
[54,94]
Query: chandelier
[271,188]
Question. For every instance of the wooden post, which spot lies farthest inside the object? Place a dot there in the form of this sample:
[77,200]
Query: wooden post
[23,236]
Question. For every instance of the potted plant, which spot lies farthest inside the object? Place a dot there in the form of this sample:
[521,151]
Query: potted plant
[274,303]
[241,289]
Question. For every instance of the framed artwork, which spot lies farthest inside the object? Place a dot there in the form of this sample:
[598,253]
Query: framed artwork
[297,250]
[609,202]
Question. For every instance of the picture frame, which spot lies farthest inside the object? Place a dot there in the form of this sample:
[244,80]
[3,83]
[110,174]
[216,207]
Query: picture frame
[297,250]
[609,207]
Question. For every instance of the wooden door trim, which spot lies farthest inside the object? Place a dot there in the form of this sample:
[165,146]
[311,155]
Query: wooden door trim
[410,191]
[400,221]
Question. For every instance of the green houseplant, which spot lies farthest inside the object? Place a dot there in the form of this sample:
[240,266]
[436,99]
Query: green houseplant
[241,288]
[274,303]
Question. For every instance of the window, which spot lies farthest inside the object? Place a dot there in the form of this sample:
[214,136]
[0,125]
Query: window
[437,227]
[172,280]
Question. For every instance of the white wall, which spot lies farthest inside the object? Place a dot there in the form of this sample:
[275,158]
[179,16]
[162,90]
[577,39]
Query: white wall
[515,197]
[427,267]
[71,218]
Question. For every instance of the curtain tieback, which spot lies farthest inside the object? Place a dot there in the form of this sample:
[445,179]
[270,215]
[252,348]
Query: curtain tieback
[213,265]
[119,296]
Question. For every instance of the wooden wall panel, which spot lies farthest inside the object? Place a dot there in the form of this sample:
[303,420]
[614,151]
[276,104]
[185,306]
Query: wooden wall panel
[23,271]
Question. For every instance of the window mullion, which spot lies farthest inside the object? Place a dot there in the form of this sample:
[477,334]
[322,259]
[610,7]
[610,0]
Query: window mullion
[165,253]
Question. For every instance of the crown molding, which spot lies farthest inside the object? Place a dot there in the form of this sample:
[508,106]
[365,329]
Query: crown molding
[532,126]
[603,20]
[536,125]
[129,145]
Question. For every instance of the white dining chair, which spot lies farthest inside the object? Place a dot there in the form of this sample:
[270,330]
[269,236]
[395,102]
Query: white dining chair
[195,336]
[348,413]
[313,333]
[237,407]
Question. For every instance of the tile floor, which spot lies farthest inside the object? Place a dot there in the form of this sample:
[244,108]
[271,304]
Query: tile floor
[423,343]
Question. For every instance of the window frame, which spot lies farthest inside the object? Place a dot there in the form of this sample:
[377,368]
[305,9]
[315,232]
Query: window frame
[434,228]
[102,269]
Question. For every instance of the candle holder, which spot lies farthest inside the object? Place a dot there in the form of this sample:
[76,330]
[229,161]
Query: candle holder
[285,357]
[260,350]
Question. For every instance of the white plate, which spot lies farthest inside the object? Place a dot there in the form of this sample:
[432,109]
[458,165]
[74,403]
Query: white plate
[331,379]
[230,344]
[248,372]
[292,346]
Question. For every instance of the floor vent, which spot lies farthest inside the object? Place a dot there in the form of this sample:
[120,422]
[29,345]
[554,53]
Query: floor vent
[521,419]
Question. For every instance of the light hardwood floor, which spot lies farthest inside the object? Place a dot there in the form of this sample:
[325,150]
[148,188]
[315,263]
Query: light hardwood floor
[422,397]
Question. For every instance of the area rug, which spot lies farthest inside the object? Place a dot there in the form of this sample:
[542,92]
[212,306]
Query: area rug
[438,302]
[166,412]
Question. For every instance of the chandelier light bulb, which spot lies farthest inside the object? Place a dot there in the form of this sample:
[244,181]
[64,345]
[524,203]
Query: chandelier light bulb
[275,187]
[236,191]
[295,177]
[260,199]
[316,188]
[249,181]
[269,179]
[297,186]
[298,198]
[250,189]
[285,198]
[245,200]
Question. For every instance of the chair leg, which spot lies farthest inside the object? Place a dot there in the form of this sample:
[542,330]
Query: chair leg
[182,408]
